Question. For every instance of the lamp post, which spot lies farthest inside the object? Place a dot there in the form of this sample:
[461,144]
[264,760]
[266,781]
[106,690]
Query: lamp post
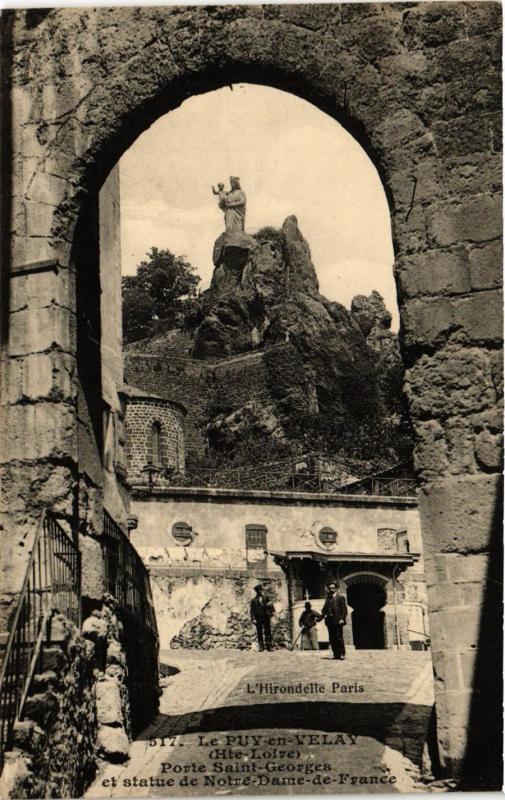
[151,472]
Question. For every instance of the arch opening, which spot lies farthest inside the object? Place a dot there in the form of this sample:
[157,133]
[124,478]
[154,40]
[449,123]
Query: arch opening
[132,120]
[366,596]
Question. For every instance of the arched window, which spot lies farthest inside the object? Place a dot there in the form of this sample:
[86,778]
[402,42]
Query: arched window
[156,444]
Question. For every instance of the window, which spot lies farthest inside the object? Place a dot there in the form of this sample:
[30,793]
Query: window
[156,444]
[402,542]
[256,544]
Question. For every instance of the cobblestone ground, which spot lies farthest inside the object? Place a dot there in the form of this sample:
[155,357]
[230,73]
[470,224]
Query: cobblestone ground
[281,723]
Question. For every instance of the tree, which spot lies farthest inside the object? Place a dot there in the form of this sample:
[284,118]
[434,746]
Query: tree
[158,296]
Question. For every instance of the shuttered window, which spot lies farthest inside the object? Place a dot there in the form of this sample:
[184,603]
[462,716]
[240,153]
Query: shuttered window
[255,544]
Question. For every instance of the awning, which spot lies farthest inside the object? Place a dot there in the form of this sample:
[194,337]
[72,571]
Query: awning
[406,559]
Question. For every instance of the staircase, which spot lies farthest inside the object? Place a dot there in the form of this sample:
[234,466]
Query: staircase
[51,586]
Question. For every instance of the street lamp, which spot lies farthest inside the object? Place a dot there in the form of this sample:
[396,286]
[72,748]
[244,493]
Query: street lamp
[151,472]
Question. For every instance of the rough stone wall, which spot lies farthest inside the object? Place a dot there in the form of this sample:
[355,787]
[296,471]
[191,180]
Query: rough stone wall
[54,745]
[141,414]
[113,714]
[239,380]
[208,388]
[93,691]
[209,610]
[419,87]
[127,675]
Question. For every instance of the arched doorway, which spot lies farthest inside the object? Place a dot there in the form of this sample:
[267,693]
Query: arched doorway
[366,596]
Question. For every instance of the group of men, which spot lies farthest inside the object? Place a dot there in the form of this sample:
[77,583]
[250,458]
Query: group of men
[333,612]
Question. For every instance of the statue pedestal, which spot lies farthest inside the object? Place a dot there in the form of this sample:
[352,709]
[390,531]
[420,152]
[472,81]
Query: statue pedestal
[235,240]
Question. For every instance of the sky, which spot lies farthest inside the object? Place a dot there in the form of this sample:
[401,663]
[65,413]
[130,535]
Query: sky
[291,158]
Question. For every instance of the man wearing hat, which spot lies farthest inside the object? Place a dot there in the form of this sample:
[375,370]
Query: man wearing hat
[261,611]
[334,612]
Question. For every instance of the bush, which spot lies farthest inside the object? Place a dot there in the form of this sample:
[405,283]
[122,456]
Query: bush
[270,235]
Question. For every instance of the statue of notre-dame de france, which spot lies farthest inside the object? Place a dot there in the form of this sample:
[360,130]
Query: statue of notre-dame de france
[233,204]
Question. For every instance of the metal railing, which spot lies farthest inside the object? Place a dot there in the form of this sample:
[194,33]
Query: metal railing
[52,585]
[293,481]
[386,487]
[233,478]
[126,577]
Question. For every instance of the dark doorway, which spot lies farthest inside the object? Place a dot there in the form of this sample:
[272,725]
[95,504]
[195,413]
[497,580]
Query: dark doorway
[311,579]
[367,600]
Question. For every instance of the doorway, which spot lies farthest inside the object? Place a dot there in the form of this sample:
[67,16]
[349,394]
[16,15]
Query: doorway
[367,600]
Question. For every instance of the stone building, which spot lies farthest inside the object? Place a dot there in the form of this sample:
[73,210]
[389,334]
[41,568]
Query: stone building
[154,433]
[419,86]
[206,549]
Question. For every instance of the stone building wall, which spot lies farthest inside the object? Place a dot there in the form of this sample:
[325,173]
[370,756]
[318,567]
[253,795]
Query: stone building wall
[202,584]
[207,609]
[208,388]
[87,700]
[419,86]
[141,414]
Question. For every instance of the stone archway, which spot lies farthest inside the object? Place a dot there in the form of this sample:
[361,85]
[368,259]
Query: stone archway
[90,80]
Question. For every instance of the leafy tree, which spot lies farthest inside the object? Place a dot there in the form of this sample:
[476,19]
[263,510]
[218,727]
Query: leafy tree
[159,295]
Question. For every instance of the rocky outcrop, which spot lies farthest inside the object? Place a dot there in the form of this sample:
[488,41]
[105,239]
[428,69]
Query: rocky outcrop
[375,322]
[323,366]
[247,286]
[349,360]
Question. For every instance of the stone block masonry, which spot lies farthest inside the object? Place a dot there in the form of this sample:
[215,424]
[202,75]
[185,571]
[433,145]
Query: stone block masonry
[143,415]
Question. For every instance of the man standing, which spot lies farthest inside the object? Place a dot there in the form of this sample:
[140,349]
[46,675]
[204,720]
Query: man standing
[261,611]
[334,612]
[308,622]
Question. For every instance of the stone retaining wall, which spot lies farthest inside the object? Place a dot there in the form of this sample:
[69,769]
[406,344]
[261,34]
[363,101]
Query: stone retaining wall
[94,691]
[210,388]
[208,610]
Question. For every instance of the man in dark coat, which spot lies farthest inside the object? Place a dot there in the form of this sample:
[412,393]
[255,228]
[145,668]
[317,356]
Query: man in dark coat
[261,611]
[334,612]
[308,622]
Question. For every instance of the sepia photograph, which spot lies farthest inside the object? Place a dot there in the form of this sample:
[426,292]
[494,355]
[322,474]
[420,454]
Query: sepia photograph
[251,400]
